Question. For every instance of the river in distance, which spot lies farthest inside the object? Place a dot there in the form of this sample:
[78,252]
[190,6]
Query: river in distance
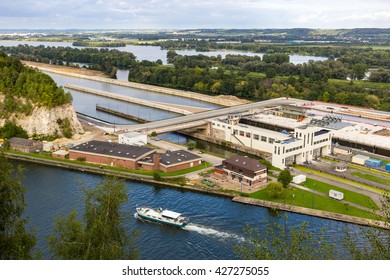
[153,53]
[216,223]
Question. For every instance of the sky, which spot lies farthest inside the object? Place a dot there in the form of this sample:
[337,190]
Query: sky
[176,14]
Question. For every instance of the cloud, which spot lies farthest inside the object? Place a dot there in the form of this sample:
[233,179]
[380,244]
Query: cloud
[128,14]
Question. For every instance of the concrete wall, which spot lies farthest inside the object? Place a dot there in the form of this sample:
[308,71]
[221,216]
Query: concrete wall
[103,159]
[185,165]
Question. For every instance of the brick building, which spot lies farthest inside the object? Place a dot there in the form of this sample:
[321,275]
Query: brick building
[243,170]
[133,157]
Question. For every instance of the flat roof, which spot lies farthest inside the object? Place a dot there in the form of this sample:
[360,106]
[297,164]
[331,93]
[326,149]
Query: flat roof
[175,157]
[361,156]
[170,214]
[112,149]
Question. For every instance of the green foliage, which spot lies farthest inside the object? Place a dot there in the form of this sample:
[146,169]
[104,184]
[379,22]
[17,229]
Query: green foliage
[81,159]
[285,177]
[157,176]
[153,134]
[370,243]
[103,59]
[18,82]
[191,145]
[275,189]
[65,127]
[279,242]
[16,243]
[10,129]
[100,235]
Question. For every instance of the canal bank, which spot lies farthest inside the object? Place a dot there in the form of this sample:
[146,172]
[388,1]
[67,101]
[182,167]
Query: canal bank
[234,197]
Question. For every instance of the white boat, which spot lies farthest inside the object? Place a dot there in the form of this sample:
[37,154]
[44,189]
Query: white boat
[162,216]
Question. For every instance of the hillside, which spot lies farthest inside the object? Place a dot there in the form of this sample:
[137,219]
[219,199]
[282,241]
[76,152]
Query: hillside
[32,100]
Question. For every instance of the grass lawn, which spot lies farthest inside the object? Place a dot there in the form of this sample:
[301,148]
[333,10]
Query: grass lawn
[371,178]
[350,196]
[339,179]
[371,171]
[364,84]
[298,197]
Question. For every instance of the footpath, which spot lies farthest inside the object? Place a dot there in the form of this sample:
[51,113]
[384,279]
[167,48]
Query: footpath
[311,212]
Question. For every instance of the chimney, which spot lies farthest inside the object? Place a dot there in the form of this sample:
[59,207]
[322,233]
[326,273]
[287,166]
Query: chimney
[156,161]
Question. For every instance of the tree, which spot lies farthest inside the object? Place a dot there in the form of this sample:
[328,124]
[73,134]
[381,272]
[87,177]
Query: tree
[278,242]
[100,234]
[16,243]
[285,177]
[371,243]
[275,189]
[359,71]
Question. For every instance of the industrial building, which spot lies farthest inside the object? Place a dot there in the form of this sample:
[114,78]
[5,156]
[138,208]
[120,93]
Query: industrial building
[133,157]
[301,145]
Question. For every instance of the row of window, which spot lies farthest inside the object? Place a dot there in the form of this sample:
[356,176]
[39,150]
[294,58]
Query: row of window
[293,149]
[255,136]
[321,141]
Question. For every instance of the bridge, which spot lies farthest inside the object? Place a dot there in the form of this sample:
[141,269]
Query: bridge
[189,121]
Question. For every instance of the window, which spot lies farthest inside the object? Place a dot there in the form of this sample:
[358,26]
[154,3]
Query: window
[248,135]
[263,138]
[255,136]
[271,140]
[241,133]
[235,131]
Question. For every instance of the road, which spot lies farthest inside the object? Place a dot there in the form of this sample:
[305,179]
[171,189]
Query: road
[209,114]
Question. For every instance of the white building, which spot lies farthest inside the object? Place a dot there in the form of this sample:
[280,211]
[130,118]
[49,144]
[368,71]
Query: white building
[303,144]
[133,138]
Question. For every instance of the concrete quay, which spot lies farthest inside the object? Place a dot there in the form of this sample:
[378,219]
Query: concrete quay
[151,104]
[311,212]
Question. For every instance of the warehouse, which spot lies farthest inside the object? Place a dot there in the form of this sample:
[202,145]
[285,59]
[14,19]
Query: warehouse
[112,154]
[134,157]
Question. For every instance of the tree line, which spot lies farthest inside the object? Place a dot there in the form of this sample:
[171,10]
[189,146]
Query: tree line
[103,59]
[253,78]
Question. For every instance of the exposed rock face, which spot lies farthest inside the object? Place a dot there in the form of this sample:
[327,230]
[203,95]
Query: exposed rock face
[44,121]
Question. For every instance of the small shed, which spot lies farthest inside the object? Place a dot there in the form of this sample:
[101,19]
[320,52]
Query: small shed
[360,159]
[340,150]
[60,154]
[387,167]
[336,194]
[373,162]
[340,167]
[299,179]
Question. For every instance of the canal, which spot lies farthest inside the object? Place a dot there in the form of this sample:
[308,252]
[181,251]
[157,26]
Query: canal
[216,223]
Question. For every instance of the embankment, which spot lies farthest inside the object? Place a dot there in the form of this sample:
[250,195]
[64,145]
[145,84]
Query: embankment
[311,212]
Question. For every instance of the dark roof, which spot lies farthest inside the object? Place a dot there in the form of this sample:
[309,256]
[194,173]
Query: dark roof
[112,149]
[177,157]
[24,142]
[320,132]
[245,163]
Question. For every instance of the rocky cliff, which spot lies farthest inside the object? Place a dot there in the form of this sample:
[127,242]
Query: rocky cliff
[44,121]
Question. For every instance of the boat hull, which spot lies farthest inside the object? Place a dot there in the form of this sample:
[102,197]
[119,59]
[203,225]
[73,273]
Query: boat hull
[161,221]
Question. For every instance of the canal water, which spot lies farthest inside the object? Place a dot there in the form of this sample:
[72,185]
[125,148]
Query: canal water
[216,223]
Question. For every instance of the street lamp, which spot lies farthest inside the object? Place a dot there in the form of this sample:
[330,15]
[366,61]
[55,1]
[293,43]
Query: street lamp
[312,196]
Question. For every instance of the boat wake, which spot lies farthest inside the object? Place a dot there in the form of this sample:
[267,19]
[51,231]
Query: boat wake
[213,232]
